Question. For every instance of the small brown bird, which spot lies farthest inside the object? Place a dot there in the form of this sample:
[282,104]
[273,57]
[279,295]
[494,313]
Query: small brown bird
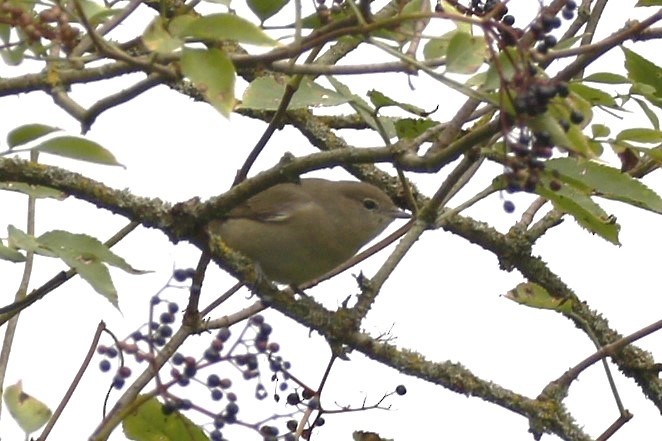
[298,232]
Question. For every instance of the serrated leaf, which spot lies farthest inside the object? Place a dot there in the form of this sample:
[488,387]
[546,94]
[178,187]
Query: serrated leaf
[410,128]
[380,100]
[213,74]
[650,114]
[595,96]
[93,272]
[466,53]
[572,140]
[29,132]
[77,148]
[36,191]
[265,93]
[640,135]
[20,240]
[29,412]
[227,27]
[265,9]
[606,78]
[535,296]
[381,125]
[10,254]
[605,181]
[157,38]
[150,423]
[86,246]
[583,209]
[641,70]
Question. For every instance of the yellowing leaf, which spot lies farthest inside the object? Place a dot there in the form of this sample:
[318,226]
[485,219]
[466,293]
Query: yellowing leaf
[535,296]
[29,412]
[150,422]
[213,74]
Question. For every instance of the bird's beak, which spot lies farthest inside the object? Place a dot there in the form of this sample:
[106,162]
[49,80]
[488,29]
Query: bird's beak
[399,214]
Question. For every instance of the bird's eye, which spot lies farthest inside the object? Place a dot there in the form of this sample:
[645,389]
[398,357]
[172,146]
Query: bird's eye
[369,204]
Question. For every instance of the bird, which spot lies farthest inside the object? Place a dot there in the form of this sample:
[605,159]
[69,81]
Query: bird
[297,232]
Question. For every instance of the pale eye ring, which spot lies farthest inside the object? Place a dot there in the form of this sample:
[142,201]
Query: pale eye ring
[370,204]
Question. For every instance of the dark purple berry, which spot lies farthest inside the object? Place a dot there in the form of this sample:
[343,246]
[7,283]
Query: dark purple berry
[223,334]
[232,408]
[177,359]
[213,380]
[549,40]
[576,117]
[216,394]
[401,389]
[508,206]
[104,365]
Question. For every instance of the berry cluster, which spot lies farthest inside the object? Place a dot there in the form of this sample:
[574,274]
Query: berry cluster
[249,350]
[51,24]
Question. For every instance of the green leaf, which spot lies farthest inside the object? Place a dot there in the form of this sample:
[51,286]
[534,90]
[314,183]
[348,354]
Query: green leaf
[640,70]
[505,66]
[77,148]
[213,74]
[600,130]
[150,423]
[380,100]
[265,93]
[407,29]
[15,55]
[83,244]
[648,136]
[652,117]
[95,12]
[607,182]
[438,47]
[535,296]
[87,256]
[36,191]
[92,271]
[10,254]
[466,53]
[381,125]
[157,38]
[29,412]
[410,128]
[649,3]
[29,132]
[595,96]
[19,240]
[265,9]
[227,27]
[582,208]
[606,78]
